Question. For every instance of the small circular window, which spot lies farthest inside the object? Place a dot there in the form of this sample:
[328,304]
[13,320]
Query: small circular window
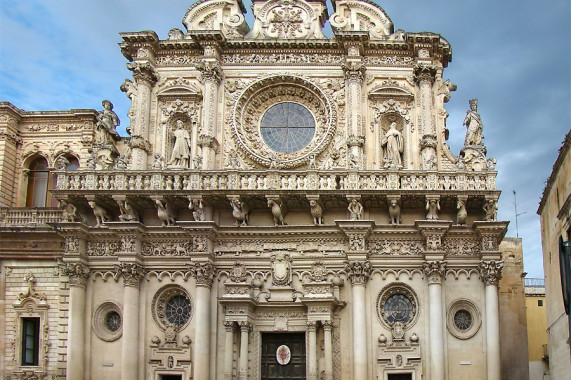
[463,319]
[172,305]
[287,127]
[108,322]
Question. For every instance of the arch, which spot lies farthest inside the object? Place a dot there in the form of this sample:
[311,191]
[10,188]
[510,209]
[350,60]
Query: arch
[38,182]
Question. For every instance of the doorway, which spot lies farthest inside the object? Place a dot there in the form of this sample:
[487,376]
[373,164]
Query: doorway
[400,376]
[295,368]
[171,377]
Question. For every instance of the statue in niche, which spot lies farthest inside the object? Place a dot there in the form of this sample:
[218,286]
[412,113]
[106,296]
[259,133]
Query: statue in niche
[355,210]
[393,145]
[473,124]
[107,121]
[180,156]
[432,208]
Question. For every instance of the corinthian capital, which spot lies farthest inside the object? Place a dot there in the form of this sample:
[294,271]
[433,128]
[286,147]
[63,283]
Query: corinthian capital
[77,273]
[354,71]
[132,273]
[491,271]
[203,273]
[210,70]
[358,271]
[143,72]
[434,271]
[424,73]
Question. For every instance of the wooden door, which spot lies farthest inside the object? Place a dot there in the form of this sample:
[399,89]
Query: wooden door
[271,368]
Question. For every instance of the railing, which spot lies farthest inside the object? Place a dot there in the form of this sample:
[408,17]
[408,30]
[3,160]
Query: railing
[275,180]
[534,282]
[21,216]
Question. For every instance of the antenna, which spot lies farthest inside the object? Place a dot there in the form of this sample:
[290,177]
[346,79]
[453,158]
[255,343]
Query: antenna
[516,214]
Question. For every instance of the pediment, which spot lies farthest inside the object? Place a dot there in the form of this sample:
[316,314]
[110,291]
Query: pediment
[390,89]
[179,87]
[361,16]
[226,16]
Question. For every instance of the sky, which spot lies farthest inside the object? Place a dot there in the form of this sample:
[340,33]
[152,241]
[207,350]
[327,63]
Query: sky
[513,55]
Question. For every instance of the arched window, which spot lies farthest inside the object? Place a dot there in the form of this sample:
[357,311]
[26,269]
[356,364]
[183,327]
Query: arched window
[38,180]
[73,163]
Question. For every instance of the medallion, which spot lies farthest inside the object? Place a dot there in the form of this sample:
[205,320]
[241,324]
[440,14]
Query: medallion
[283,354]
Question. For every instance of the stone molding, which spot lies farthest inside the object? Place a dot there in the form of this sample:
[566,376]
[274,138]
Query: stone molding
[143,72]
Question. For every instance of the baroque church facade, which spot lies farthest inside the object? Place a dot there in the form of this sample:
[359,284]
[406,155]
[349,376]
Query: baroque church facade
[286,206]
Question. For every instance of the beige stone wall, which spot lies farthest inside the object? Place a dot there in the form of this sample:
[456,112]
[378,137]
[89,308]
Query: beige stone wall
[536,333]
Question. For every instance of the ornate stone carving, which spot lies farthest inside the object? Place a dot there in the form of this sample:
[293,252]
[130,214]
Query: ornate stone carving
[491,210]
[491,271]
[393,146]
[77,273]
[143,72]
[167,248]
[128,212]
[276,212]
[197,208]
[159,309]
[30,293]
[101,214]
[361,16]
[132,273]
[165,213]
[180,154]
[282,59]
[358,271]
[281,269]
[240,212]
[428,146]
[355,210]
[128,243]
[396,247]
[462,214]
[70,212]
[425,73]
[318,272]
[461,246]
[102,248]
[394,211]
[434,271]
[203,273]
[432,209]
[238,273]
[473,124]
[316,212]
[224,16]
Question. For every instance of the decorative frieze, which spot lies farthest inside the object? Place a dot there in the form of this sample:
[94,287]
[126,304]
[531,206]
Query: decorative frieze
[102,248]
[282,58]
[398,247]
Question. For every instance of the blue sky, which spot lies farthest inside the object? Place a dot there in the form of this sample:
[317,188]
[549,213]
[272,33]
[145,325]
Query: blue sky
[514,55]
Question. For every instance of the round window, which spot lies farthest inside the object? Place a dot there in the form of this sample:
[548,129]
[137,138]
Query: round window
[107,321]
[287,127]
[397,303]
[113,321]
[178,310]
[398,308]
[463,320]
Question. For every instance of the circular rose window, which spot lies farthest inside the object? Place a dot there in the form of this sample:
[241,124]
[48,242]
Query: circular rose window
[287,127]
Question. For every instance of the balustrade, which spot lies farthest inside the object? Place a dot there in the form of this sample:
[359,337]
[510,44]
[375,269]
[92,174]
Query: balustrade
[27,215]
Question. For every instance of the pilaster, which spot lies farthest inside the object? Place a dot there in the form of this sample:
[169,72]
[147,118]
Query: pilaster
[425,75]
[491,273]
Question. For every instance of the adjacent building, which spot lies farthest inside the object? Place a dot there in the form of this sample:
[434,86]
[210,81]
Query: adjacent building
[286,206]
[537,329]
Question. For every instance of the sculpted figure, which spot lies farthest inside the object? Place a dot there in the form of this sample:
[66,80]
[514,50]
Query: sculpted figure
[473,124]
[101,215]
[128,212]
[462,213]
[197,208]
[432,208]
[180,156]
[393,145]
[107,121]
[159,162]
[240,212]
[491,209]
[394,212]
[61,162]
[277,213]
[197,162]
[69,211]
[355,210]
[163,213]
[316,212]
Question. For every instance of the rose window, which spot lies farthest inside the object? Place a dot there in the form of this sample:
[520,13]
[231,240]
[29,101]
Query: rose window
[463,320]
[398,308]
[397,303]
[113,321]
[287,127]
[172,305]
[178,310]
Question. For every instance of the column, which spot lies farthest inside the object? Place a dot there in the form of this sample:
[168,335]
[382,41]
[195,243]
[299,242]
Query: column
[312,354]
[328,346]
[435,273]
[211,77]
[132,274]
[359,272]
[244,336]
[229,349]
[145,78]
[354,72]
[204,274]
[490,272]
[425,76]
[77,273]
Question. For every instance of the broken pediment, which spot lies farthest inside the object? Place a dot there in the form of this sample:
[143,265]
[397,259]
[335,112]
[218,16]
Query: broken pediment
[361,16]
[391,89]
[226,16]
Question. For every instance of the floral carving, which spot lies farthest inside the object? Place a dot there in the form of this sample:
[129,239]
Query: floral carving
[132,273]
[102,248]
[396,247]
[434,271]
[77,273]
[203,273]
[491,271]
[358,271]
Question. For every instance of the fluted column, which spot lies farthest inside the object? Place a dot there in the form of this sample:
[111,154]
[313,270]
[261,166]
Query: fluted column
[328,349]
[425,77]
[132,274]
[211,77]
[244,336]
[354,73]
[145,78]
[229,349]
[312,354]
[358,272]
[204,274]
[435,273]
[490,272]
[78,274]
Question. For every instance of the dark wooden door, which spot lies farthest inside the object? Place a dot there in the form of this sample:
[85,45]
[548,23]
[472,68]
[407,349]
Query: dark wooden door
[295,369]
[400,376]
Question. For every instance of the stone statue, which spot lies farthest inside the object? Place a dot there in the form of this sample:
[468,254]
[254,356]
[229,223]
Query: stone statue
[159,162]
[474,126]
[462,213]
[277,213]
[128,212]
[180,156]
[240,212]
[101,215]
[107,121]
[393,145]
[432,208]
[164,213]
[355,210]
[316,212]
[196,162]
[197,208]
[69,211]
[394,212]
[491,209]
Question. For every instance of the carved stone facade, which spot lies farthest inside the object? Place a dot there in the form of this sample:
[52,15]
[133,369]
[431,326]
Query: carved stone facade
[275,181]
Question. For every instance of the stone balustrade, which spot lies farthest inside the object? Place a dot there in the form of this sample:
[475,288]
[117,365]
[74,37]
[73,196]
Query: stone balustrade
[29,215]
[199,180]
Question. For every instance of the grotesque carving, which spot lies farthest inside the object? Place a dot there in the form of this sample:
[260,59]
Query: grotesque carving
[128,212]
[394,211]
[462,213]
[101,215]
[491,209]
[240,212]
[316,212]
[393,147]
[180,156]
[165,215]
[432,208]
[276,212]
[107,121]
[355,210]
